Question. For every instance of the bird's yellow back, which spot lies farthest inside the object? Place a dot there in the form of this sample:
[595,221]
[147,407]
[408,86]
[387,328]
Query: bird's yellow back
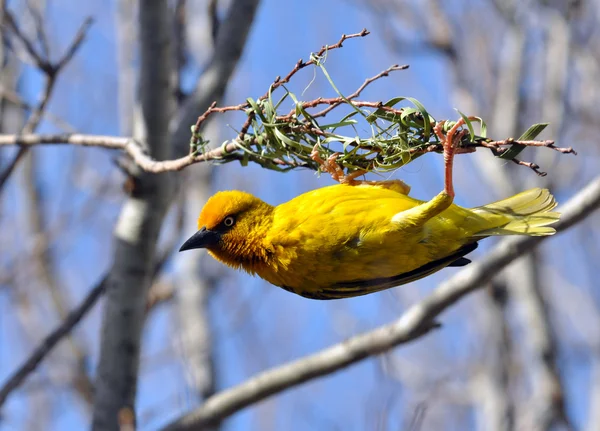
[342,233]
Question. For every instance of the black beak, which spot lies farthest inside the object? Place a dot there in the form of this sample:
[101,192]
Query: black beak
[204,238]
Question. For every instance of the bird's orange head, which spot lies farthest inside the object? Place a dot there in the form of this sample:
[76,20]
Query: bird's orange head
[232,227]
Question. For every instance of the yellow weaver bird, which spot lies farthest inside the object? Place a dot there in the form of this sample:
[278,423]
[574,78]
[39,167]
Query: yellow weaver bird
[357,238]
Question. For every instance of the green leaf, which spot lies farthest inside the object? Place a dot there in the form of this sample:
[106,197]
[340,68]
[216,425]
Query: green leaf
[381,113]
[483,132]
[468,123]
[284,139]
[256,108]
[338,124]
[532,133]
[426,118]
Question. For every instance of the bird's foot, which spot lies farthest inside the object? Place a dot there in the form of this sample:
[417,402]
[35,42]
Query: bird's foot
[335,170]
[450,142]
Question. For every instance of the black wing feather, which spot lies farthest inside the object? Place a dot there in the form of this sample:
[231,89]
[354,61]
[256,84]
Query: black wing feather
[363,287]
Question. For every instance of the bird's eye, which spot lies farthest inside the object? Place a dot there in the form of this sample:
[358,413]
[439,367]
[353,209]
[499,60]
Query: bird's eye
[229,221]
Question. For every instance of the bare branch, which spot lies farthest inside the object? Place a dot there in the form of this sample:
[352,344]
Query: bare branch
[40,352]
[129,145]
[51,70]
[40,62]
[414,323]
[16,100]
[74,46]
[42,37]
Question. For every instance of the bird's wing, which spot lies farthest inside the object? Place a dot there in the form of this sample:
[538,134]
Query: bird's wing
[363,287]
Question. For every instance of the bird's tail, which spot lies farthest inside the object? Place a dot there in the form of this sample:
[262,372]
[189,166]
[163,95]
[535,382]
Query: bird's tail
[528,213]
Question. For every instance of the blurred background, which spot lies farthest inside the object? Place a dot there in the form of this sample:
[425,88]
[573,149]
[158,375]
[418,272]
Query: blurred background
[522,353]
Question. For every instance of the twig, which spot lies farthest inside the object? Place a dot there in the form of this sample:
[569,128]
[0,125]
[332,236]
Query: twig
[70,322]
[75,44]
[40,352]
[39,61]
[51,70]
[535,168]
[278,82]
[360,89]
[29,127]
[18,102]
[546,143]
[42,37]
[302,64]
[414,323]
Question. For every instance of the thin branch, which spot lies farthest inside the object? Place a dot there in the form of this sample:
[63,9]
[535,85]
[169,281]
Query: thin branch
[129,145]
[42,37]
[314,58]
[40,352]
[71,321]
[364,85]
[229,45]
[51,70]
[75,44]
[32,123]
[4,175]
[414,323]
[14,98]
[40,62]
[533,166]
[41,255]
[278,82]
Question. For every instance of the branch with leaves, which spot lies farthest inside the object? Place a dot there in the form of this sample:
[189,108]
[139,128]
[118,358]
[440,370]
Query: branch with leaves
[282,140]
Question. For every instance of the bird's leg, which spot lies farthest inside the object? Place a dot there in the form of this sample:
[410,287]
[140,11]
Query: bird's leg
[334,169]
[449,142]
[416,217]
[419,215]
[337,173]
